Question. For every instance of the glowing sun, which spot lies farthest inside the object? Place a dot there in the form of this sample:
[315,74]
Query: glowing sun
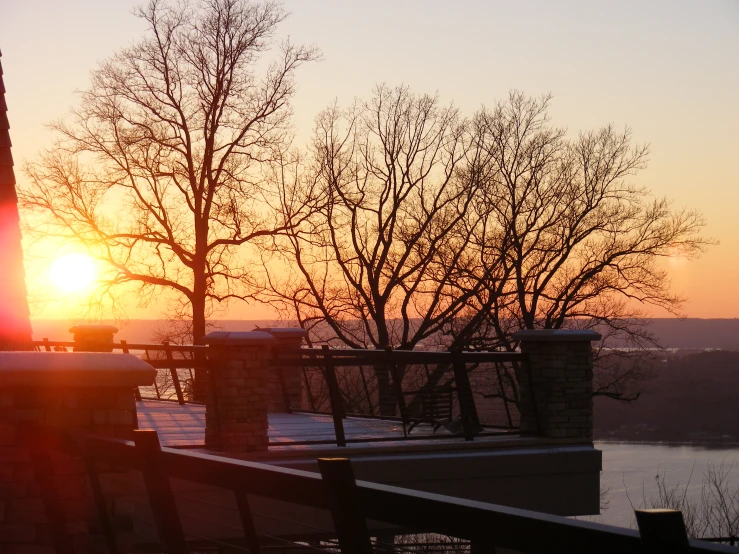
[73,272]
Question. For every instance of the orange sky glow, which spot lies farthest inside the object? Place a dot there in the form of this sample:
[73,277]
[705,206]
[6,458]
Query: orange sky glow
[668,70]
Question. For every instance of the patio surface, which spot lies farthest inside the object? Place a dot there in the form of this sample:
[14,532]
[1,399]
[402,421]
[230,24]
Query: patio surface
[184,425]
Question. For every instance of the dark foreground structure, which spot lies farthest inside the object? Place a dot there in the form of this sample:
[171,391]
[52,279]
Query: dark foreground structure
[294,452]
[15,326]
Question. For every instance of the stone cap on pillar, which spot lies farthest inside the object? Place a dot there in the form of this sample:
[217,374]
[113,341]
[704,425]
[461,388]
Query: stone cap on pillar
[90,330]
[93,329]
[284,332]
[238,338]
[73,369]
[556,335]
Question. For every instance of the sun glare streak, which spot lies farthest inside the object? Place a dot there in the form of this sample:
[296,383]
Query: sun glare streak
[72,272]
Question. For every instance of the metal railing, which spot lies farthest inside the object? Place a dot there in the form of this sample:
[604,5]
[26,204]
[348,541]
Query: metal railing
[174,363]
[410,395]
[357,514]
[465,394]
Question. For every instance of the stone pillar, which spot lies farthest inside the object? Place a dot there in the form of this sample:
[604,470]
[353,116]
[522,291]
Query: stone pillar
[238,390]
[288,338]
[93,338]
[556,389]
[70,391]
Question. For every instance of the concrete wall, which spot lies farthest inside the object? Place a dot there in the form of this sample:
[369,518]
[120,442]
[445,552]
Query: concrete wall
[556,479]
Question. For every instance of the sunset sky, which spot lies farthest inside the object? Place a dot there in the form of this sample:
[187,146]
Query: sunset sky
[669,70]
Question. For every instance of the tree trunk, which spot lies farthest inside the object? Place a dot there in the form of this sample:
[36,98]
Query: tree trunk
[199,386]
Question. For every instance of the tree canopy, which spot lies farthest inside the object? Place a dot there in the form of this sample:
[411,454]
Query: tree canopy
[402,223]
[160,169]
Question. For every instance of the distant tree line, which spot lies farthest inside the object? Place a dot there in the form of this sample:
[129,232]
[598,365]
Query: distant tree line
[403,223]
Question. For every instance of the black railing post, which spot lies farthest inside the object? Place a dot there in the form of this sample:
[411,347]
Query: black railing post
[662,530]
[470,420]
[174,374]
[102,509]
[501,385]
[366,391]
[136,391]
[398,388]
[349,521]
[283,385]
[334,395]
[156,386]
[309,393]
[159,490]
[247,522]
[534,399]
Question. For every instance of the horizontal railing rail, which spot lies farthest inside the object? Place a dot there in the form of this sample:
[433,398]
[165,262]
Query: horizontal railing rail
[351,357]
[123,345]
[352,503]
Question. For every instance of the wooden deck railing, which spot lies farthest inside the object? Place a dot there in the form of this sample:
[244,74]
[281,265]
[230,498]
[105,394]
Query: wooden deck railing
[351,504]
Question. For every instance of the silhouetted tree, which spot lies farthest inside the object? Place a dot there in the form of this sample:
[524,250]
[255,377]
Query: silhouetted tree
[371,267]
[160,170]
[712,513]
[374,263]
[559,237]
[463,233]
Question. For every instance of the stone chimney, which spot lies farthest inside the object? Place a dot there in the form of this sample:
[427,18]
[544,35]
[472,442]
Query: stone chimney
[15,323]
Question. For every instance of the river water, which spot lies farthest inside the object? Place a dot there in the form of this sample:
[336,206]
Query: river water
[629,470]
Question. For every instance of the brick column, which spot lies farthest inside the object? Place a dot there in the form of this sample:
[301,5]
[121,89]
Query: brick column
[557,387]
[238,390]
[93,338]
[69,391]
[288,338]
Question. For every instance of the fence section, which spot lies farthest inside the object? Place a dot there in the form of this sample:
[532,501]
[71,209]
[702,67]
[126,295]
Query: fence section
[425,394]
[369,395]
[175,365]
[179,501]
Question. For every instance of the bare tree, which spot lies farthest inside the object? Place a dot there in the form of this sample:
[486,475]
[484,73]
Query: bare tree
[373,264]
[559,237]
[462,233]
[371,267]
[160,170]
[710,513]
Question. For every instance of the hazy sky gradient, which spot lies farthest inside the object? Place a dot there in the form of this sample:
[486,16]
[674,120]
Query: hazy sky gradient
[669,70]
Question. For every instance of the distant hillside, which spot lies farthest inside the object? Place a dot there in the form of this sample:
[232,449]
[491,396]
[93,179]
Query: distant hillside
[134,330]
[693,398]
[697,333]
[673,333]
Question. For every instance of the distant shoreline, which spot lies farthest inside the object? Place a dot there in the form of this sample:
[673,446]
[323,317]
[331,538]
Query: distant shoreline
[672,333]
[704,443]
